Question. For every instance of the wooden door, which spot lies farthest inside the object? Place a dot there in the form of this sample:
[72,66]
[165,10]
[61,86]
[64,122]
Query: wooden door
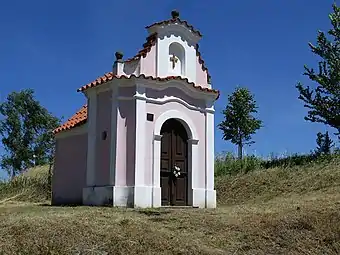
[174,151]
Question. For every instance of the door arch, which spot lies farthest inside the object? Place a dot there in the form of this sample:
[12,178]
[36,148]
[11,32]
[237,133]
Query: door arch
[174,152]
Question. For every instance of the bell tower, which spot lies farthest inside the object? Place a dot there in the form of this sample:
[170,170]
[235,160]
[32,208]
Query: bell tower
[176,48]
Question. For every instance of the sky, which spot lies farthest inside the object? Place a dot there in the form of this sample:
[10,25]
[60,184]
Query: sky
[55,47]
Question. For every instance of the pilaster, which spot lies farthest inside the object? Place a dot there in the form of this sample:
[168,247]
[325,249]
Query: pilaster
[91,139]
[142,194]
[209,156]
[193,176]
[113,142]
[156,174]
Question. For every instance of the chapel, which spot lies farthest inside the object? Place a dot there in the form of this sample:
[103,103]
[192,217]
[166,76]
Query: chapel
[145,137]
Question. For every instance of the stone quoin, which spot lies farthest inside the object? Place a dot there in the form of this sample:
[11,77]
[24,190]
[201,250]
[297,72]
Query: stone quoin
[145,138]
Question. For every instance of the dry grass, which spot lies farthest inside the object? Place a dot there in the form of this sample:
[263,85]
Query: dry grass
[273,212]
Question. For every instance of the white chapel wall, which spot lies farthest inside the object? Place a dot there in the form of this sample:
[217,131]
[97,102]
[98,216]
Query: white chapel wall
[166,47]
[198,119]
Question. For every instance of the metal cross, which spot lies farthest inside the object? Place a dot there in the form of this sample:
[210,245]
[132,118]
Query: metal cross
[174,60]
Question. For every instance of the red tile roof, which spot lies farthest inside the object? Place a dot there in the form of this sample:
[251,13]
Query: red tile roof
[80,117]
[150,41]
[77,119]
[110,76]
[176,20]
[201,61]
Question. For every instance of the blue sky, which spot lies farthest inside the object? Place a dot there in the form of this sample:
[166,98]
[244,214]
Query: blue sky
[57,46]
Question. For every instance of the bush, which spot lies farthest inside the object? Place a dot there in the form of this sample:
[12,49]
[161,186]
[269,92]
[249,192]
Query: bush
[32,185]
[227,164]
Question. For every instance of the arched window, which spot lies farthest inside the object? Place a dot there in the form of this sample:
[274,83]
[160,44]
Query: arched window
[176,59]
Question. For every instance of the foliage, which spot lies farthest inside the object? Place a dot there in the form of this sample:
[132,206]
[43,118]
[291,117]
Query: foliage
[239,124]
[32,185]
[323,102]
[227,165]
[324,144]
[26,129]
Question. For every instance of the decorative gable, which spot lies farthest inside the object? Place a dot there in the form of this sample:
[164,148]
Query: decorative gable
[171,49]
[170,53]
[176,53]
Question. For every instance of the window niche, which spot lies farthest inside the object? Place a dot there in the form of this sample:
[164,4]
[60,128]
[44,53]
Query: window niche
[176,59]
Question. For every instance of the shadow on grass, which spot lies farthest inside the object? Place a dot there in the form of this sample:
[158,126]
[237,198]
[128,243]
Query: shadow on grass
[153,212]
[59,205]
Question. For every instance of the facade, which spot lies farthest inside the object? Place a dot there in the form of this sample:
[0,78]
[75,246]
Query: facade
[145,138]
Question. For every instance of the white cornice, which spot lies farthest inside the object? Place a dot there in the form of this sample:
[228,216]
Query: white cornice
[175,29]
[187,88]
[168,99]
[182,85]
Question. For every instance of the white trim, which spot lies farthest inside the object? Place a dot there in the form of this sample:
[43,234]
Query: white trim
[113,142]
[192,155]
[193,167]
[210,195]
[209,150]
[177,29]
[167,99]
[182,117]
[80,130]
[91,140]
[182,85]
[140,130]
[188,89]
[156,175]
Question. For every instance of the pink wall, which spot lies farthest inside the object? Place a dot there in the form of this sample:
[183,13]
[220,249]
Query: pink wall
[171,91]
[125,161]
[69,173]
[198,119]
[148,64]
[148,67]
[102,176]
[201,76]
[71,153]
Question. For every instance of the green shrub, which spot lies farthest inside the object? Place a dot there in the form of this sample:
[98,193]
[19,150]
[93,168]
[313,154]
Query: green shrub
[228,164]
[32,185]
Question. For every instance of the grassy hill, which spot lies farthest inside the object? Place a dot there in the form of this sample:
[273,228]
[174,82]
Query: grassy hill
[294,210]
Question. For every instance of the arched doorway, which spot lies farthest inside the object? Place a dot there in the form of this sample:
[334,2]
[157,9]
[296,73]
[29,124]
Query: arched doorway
[174,153]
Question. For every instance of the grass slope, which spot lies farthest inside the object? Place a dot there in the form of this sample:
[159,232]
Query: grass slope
[275,211]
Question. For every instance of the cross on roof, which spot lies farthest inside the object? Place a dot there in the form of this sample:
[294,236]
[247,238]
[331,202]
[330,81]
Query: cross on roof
[174,60]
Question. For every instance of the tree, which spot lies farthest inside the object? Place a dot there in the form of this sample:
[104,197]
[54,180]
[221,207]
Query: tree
[323,102]
[26,130]
[324,143]
[239,124]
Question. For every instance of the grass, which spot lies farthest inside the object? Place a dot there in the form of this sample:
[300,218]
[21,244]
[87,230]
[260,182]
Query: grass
[32,186]
[281,210]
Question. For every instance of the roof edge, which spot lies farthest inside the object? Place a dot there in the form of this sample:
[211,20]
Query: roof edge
[174,21]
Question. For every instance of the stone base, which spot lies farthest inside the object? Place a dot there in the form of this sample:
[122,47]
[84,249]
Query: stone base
[203,198]
[125,196]
[141,197]
[198,198]
[156,197]
[108,195]
[210,196]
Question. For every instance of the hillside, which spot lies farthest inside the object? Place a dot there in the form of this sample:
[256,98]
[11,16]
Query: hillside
[275,211]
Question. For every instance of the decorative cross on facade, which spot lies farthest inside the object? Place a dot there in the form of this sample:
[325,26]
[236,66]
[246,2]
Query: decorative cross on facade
[174,60]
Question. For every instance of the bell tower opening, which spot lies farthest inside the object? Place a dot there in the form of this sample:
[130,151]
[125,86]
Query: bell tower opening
[176,59]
